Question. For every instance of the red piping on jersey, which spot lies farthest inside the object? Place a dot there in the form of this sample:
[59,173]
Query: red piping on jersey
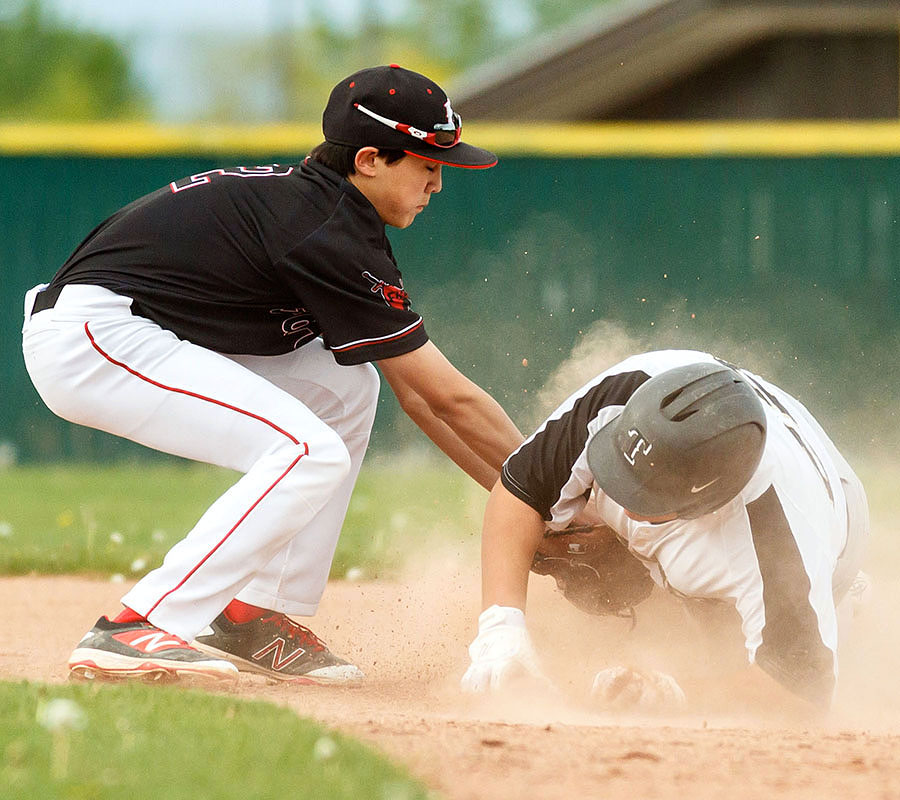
[367,342]
[234,527]
[128,369]
[271,424]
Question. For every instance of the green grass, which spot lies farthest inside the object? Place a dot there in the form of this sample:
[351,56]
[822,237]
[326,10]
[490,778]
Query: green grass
[121,519]
[134,741]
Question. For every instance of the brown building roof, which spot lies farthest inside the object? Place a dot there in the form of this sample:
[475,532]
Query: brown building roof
[700,59]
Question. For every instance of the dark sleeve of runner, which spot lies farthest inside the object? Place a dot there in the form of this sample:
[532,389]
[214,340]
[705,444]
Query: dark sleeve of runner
[792,650]
[537,472]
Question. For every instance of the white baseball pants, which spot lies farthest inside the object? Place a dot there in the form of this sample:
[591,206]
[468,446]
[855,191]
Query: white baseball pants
[297,425]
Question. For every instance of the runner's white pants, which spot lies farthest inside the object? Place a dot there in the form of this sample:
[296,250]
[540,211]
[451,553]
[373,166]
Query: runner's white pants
[297,426]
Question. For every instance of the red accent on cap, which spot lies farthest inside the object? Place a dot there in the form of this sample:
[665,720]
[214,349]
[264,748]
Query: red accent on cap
[394,66]
[392,91]
[352,84]
[449,164]
[428,90]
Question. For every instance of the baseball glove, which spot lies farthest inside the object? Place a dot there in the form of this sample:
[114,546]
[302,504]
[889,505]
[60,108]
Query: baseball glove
[598,576]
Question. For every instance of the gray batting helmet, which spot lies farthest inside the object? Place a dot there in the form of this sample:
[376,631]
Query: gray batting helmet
[686,442]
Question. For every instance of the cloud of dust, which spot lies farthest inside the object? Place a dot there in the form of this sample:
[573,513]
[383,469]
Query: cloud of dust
[606,342]
[575,645]
[433,618]
[813,347]
[673,641]
[868,692]
[438,612]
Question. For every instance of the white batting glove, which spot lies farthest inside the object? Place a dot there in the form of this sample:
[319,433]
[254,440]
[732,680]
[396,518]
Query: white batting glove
[624,688]
[501,652]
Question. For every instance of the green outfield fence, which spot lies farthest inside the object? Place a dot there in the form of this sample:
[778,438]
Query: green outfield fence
[773,244]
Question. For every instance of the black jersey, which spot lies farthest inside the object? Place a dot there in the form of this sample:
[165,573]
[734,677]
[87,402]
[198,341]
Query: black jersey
[256,260]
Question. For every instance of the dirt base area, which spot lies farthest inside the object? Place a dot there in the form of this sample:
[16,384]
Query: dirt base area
[411,637]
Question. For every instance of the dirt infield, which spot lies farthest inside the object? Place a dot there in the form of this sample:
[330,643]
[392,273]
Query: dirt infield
[410,638]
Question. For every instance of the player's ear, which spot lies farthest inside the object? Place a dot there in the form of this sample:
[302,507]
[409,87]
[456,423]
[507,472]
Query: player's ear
[365,161]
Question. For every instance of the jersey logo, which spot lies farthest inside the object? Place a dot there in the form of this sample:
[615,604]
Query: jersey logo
[202,178]
[298,323]
[394,296]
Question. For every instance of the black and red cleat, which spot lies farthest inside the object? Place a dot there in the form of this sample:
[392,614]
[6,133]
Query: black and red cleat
[116,650]
[276,646]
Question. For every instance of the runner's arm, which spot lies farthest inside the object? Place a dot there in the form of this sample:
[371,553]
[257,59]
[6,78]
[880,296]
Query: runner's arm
[511,534]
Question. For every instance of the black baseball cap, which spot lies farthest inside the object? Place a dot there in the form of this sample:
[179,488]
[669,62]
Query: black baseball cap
[396,109]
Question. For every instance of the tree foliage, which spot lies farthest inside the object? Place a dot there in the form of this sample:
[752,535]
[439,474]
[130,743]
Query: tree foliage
[50,73]
[441,38]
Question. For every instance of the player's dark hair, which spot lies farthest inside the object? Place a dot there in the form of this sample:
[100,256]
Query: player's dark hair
[340,157]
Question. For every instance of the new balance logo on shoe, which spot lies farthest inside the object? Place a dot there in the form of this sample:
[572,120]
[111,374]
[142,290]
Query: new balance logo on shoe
[276,648]
[149,642]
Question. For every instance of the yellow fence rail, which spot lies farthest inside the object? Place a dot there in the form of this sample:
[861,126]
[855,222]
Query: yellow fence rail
[565,140]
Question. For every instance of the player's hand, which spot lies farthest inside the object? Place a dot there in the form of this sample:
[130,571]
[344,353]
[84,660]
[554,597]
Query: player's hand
[624,688]
[502,652]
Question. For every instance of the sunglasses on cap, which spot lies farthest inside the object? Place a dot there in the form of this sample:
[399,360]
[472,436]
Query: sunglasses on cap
[445,134]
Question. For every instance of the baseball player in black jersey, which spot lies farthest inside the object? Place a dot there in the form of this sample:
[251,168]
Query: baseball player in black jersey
[702,478]
[233,317]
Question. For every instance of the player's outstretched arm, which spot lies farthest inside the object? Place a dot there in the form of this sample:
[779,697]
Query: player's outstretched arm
[511,535]
[457,415]
[502,650]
